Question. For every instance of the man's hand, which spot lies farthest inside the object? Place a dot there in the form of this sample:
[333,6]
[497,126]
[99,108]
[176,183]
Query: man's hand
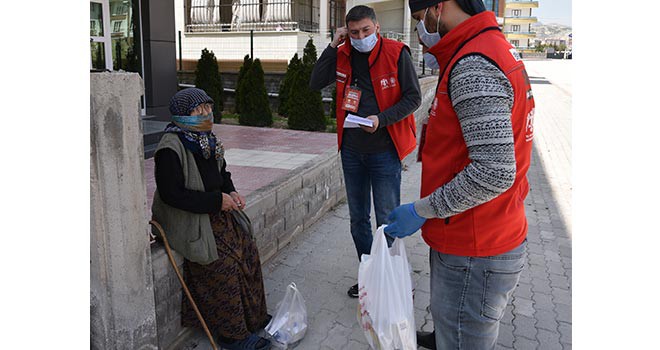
[228,203]
[238,199]
[372,129]
[340,36]
[404,221]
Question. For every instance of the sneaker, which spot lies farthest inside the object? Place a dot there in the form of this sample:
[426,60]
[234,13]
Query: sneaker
[353,291]
[426,340]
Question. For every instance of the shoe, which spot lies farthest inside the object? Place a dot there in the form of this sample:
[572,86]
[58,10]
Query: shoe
[353,291]
[252,342]
[426,340]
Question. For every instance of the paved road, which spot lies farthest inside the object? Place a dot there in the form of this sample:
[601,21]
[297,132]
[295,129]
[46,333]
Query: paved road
[323,263]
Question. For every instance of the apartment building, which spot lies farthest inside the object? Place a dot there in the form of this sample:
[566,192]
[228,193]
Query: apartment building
[518,21]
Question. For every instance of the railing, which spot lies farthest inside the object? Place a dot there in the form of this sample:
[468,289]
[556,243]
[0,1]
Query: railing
[244,15]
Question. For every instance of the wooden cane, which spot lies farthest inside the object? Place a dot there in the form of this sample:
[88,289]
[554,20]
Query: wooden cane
[183,284]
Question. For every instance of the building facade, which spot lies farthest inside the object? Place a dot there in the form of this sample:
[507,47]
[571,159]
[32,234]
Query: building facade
[137,36]
[518,21]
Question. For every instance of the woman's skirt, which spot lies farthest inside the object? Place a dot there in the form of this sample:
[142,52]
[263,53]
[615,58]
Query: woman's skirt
[229,292]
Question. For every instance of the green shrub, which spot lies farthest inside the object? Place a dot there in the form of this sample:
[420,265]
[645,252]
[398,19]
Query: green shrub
[255,108]
[207,78]
[285,88]
[304,105]
[247,62]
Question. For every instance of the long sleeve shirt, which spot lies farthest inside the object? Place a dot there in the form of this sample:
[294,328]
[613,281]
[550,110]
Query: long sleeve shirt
[170,182]
[356,139]
[482,98]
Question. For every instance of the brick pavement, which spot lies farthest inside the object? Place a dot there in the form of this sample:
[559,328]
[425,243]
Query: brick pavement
[323,262]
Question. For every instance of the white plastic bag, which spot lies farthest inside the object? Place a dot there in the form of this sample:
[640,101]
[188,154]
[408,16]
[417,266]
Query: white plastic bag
[289,324]
[385,310]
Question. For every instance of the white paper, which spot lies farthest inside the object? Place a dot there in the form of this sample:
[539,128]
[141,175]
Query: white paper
[354,119]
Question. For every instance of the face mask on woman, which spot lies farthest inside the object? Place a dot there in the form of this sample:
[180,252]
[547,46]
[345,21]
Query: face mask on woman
[365,45]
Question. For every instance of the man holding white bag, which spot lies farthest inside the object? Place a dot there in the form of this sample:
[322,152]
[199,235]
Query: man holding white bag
[474,165]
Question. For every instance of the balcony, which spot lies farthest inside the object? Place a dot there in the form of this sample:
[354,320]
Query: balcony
[246,15]
[520,35]
[521,4]
[520,20]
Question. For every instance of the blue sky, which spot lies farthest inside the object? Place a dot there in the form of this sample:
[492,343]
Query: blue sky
[554,11]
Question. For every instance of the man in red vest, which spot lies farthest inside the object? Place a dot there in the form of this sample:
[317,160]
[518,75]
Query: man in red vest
[375,80]
[474,165]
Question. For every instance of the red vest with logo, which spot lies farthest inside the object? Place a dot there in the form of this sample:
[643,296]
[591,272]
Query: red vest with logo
[498,225]
[383,63]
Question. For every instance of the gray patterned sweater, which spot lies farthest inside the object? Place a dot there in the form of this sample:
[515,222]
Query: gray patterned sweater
[482,97]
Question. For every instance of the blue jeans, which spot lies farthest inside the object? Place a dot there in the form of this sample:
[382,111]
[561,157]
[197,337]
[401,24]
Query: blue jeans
[469,295]
[364,173]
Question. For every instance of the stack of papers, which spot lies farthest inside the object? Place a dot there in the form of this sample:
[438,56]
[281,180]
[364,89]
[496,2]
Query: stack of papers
[353,121]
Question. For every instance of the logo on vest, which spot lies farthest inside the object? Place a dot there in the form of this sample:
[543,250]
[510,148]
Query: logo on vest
[529,126]
[387,83]
[515,54]
[384,84]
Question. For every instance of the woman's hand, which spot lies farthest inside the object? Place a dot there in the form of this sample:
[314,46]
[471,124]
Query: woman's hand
[238,199]
[228,203]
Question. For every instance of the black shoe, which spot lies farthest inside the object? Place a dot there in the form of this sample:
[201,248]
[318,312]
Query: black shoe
[426,340]
[353,291]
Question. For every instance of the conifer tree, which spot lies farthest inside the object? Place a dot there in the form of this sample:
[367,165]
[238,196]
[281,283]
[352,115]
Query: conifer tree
[207,78]
[304,105]
[285,89]
[247,62]
[255,108]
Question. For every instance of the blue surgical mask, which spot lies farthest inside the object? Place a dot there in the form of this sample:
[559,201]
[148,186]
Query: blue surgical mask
[428,39]
[194,122]
[365,45]
[430,61]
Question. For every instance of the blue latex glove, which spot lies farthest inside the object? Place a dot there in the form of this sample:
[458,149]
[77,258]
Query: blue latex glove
[404,221]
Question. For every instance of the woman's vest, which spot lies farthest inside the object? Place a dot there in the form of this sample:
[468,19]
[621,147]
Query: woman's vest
[498,225]
[383,68]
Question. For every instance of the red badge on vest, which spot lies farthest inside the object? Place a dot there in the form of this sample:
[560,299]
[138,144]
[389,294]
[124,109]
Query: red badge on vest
[352,99]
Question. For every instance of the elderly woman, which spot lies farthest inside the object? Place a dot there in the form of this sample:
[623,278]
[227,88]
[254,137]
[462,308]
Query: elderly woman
[193,202]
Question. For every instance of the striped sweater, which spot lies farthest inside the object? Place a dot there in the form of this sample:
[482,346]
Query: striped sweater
[482,98]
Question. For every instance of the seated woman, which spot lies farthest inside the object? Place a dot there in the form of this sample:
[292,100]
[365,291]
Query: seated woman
[193,203]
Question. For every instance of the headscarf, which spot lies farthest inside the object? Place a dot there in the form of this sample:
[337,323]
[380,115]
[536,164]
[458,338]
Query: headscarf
[195,132]
[471,7]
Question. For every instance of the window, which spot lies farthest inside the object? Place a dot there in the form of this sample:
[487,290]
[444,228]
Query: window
[516,13]
[336,14]
[116,26]
[515,28]
[515,43]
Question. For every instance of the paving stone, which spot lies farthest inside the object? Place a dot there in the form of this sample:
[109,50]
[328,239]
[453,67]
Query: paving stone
[524,326]
[523,307]
[525,344]
[548,340]
[543,301]
[564,313]
[546,319]
[505,336]
[565,332]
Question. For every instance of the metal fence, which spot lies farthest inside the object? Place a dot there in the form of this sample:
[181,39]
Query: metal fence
[245,15]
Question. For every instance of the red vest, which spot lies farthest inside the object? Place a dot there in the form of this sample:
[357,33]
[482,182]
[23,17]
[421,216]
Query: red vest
[383,60]
[498,225]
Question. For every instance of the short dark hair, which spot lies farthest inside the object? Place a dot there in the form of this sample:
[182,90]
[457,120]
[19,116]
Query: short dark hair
[360,12]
